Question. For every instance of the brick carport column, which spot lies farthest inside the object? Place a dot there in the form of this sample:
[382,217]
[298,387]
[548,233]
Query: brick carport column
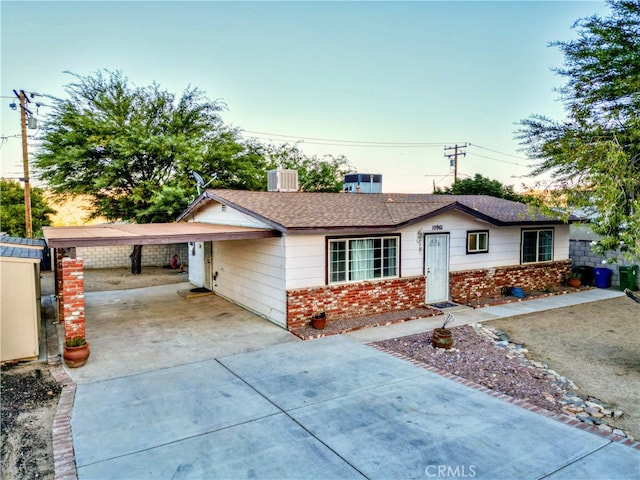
[71,297]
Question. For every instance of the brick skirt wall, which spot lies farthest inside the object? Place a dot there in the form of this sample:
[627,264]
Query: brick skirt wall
[354,299]
[116,256]
[465,285]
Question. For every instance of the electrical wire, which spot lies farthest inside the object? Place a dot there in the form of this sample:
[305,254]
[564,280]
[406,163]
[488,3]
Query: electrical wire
[358,143]
[496,151]
[498,160]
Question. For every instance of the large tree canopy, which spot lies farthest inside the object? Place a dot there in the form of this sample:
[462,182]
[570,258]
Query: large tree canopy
[12,219]
[480,185]
[593,156]
[133,149]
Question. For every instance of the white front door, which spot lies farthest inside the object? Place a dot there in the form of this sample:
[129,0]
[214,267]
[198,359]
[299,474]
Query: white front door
[436,267]
[208,265]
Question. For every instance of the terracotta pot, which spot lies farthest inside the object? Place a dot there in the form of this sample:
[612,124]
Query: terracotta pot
[574,282]
[442,338]
[319,322]
[76,357]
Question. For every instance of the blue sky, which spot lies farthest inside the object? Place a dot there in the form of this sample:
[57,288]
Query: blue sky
[328,74]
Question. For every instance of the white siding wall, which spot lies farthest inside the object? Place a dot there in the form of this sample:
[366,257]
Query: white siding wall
[251,274]
[216,213]
[305,261]
[196,263]
[256,275]
[504,243]
[306,253]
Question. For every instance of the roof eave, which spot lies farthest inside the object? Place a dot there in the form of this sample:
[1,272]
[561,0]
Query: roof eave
[277,226]
[194,206]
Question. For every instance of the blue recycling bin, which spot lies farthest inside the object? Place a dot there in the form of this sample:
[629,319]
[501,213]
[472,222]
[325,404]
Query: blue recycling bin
[602,277]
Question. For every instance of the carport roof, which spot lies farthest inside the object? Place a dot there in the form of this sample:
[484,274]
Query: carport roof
[148,234]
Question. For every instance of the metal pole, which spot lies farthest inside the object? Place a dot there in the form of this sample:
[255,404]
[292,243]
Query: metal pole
[455,165]
[25,163]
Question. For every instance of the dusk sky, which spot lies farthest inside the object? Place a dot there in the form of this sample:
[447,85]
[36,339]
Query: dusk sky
[387,84]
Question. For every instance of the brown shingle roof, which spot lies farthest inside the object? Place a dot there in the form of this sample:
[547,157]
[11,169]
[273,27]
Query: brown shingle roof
[315,211]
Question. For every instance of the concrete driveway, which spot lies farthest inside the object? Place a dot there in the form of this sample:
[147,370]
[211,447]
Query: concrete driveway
[328,408]
[145,329]
[201,388]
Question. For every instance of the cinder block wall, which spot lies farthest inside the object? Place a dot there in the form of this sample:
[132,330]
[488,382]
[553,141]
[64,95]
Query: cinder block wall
[117,256]
[581,254]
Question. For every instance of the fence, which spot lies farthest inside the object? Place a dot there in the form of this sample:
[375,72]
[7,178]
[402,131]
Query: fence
[117,256]
[581,254]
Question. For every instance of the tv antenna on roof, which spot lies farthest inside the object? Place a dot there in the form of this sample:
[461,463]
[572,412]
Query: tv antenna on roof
[200,181]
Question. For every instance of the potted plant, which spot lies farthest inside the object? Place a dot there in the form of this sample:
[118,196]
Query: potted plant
[442,337]
[319,320]
[76,352]
[575,280]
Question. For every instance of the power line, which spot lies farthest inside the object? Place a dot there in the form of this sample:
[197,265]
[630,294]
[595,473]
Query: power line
[496,151]
[357,142]
[501,161]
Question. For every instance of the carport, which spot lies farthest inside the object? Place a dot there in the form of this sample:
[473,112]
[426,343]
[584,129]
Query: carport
[69,269]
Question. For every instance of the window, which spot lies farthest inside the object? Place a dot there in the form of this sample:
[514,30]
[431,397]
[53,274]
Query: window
[537,246]
[478,242]
[356,259]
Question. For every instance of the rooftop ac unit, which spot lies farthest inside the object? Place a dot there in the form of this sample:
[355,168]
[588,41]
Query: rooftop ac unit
[282,180]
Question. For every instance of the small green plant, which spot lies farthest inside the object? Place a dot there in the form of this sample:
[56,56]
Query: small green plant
[76,342]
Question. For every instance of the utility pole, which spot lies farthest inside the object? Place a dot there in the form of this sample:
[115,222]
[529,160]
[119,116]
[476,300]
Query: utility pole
[453,158]
[25,162]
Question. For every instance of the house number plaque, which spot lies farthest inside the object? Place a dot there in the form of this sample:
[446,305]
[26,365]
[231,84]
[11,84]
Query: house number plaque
[437,228]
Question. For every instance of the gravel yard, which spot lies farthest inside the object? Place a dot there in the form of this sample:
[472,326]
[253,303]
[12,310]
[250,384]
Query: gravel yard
[476,357]
[593,347]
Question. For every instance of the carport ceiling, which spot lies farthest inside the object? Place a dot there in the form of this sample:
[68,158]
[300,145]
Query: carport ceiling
[148,234]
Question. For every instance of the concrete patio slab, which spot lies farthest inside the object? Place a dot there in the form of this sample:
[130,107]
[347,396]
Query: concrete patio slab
[270,447]
[140,412]
[293,376]
[145,329]
[612,462]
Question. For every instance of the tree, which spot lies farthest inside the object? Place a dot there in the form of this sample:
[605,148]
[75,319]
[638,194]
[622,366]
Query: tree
[593,156]
[12,220]
[479,185]
[314,174]
[133,149]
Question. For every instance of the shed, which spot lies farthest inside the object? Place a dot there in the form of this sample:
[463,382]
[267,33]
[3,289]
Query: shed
[20,315]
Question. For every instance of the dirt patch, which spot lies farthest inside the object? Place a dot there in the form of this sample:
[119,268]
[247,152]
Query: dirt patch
[29,399]
[596,345]
[336,327]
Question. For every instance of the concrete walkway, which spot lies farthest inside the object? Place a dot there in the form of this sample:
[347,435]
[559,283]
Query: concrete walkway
[328,408]
[466,315]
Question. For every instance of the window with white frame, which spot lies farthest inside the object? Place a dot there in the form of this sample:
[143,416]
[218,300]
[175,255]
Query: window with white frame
[478,241]
[354,259]
[537,245]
